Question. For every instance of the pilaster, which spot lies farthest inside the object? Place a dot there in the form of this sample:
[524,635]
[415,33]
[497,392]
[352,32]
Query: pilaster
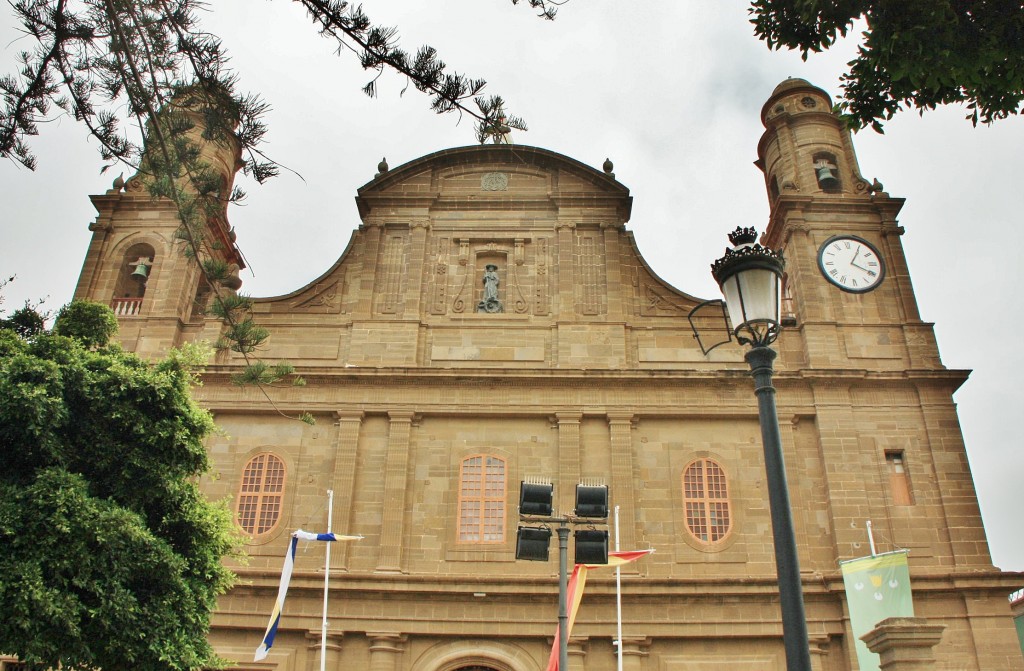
[415,276]
[386,650]
[371,232]
[846,465]
[346,447]
[613,269]
[566,270]
[568,459]
[396,466]
[634,651]
[621,491]
[333,649]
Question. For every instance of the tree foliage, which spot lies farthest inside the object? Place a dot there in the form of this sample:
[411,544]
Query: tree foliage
[92,324]
[917,54]
[112,556]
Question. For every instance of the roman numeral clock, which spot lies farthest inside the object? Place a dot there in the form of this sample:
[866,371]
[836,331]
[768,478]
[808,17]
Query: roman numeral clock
[851,263]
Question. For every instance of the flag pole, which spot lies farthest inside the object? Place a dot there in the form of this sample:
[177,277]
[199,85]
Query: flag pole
[618,594]
[327,578]
[871,539]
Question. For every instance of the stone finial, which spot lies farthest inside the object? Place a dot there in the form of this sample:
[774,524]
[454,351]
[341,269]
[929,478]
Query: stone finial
[382,167]
[608,167]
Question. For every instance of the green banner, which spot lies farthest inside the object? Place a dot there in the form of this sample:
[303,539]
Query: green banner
[876,588]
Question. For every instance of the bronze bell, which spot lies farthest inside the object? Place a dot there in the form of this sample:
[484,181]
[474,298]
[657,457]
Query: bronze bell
[141,272]
[825,177]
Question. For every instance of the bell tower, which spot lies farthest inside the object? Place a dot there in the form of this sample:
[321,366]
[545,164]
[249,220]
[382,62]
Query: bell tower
[847,290]
[136,262]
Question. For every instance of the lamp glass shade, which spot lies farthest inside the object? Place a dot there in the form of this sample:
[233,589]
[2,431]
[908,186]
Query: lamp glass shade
[752,295]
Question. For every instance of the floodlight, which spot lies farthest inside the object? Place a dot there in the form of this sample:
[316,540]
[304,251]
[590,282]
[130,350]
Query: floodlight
[591,546]
[592,501]
[535,499]
[532,543]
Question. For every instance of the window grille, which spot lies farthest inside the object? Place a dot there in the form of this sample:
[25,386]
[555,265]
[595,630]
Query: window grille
[706,499]
[261,494]
[482,499]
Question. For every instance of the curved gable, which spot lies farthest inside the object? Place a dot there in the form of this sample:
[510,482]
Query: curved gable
[491,173]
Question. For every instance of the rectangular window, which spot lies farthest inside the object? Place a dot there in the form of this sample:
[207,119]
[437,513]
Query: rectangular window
[899,479]
[482,500]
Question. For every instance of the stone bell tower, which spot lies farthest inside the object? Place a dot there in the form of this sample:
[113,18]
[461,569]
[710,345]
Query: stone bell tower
[847,284]
[136,262]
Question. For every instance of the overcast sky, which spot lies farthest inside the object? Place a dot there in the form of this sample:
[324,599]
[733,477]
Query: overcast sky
[671,92]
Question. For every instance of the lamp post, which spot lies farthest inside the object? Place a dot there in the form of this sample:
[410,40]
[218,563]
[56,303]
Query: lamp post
[750,277]
[535,506]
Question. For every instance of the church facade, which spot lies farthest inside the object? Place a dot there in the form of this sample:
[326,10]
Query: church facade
[492,322]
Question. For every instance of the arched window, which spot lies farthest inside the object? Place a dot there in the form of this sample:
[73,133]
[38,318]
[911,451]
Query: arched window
[261,494]
[706,497]
[482,499]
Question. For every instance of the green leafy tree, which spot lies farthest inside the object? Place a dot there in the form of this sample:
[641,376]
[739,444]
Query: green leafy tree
[112,557]
[914,54]
[92,324]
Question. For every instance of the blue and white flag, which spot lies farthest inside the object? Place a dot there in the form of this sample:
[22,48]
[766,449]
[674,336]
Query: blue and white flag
[286,576]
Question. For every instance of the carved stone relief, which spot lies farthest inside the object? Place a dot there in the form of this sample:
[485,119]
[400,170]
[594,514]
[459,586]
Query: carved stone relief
[591,285]
[323,298]
[459,302]
[653,302]
[393,268]
[494,181]
[504,288]
[541,304]
[440,276]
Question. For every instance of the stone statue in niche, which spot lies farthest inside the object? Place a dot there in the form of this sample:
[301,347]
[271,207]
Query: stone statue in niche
[490,302]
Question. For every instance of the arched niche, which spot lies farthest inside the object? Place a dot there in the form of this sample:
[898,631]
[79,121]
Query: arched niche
[137,264]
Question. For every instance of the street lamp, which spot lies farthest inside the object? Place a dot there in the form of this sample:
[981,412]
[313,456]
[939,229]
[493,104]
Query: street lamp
[750,277]
[535,506]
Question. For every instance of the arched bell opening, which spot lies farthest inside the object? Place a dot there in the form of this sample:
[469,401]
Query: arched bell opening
[134,275]
[826,172]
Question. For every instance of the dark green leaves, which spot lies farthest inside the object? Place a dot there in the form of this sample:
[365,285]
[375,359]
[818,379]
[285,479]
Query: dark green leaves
[112,557]
[915,55]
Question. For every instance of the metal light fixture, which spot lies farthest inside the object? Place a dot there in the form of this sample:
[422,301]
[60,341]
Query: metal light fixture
[591,546]
[532,543]
[592,501]
[751,278]
[535,498]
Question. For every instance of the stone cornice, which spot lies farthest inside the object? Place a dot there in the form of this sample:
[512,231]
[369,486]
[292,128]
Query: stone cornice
[817,582]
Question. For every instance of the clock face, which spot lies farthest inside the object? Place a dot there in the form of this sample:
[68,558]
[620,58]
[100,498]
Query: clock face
[850,263]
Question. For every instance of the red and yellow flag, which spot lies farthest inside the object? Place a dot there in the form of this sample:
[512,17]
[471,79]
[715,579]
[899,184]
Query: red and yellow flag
[574,592]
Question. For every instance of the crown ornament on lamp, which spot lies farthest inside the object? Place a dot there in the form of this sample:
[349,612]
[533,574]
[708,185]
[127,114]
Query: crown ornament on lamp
[750,277]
